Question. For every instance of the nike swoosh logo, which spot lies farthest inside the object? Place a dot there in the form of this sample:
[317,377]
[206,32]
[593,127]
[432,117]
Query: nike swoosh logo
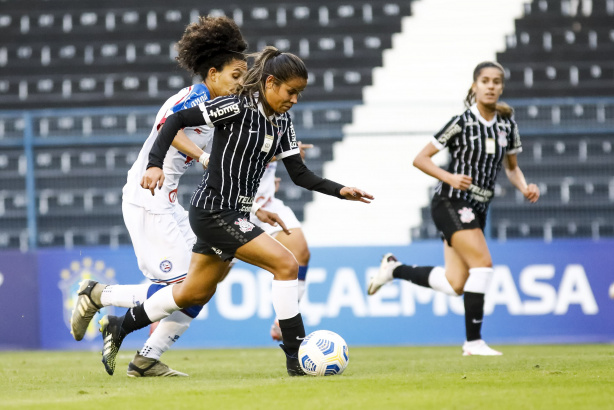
[476,321]
[300,338]
[473,138]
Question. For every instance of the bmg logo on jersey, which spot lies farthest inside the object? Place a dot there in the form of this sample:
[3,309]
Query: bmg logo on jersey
[166,266]
[220,111]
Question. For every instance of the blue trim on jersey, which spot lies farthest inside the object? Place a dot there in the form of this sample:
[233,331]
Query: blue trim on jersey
[200,93]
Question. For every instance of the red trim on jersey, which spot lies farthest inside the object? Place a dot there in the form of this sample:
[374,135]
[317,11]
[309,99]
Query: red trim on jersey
[163,120]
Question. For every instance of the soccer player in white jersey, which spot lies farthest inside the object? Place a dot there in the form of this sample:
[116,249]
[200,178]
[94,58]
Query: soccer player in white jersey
[480,140]
[296,242]
[158,225]
[250,128]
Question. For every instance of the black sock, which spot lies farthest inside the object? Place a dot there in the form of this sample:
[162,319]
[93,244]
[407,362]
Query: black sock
[474,314]
[135,319]
[292,332]
[418,275]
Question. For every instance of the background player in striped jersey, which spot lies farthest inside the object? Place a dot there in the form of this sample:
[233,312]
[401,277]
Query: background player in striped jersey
[158,225]
[480,140]
[296,242]
[250,129]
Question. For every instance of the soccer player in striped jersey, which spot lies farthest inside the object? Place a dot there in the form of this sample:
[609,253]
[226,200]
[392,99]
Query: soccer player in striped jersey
[480,140]
[158,225]
[296,242]
[250,128]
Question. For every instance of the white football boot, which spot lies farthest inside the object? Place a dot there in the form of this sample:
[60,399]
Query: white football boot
[479,348]
[384,275]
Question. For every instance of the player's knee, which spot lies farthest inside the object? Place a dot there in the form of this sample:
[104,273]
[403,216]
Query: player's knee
[485,262]
[303,255]
[458,286]
[287,268]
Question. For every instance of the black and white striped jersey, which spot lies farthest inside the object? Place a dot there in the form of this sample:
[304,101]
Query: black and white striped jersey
[244,142]
[477,148]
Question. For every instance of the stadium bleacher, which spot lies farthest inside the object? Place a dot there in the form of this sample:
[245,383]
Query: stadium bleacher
[77,57]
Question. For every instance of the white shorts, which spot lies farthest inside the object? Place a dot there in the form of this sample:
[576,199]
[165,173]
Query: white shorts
[162,242]
[284,212]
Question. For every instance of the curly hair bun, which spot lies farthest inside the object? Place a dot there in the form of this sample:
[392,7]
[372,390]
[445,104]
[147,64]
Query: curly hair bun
[210,42]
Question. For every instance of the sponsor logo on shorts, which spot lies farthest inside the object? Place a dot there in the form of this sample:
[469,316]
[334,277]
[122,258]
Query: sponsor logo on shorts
[166,266]
[216,250]
[466,215]
[244,225]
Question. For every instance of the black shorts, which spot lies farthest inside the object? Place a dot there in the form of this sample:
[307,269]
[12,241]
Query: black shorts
[453,215]
[221,232]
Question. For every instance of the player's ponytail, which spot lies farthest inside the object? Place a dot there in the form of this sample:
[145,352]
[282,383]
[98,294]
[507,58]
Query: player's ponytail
[503,109]
[271,62]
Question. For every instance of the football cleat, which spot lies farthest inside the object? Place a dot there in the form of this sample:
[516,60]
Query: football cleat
[384,275]
[292,364]
[479,348]
[112,337]
[88,304]
[276,331]
[142,366]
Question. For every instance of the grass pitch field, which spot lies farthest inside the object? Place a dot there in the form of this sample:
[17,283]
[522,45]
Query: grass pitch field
[544,377]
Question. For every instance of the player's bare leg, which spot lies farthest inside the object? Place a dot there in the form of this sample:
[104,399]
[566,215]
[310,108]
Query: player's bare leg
[266,253]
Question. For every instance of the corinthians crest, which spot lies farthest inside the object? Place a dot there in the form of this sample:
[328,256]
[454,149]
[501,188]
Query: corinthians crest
[69,285]
[244,225]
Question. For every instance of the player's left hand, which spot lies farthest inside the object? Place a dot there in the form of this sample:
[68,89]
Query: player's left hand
[531,193]
[272,219]
[153,177]
[355,194]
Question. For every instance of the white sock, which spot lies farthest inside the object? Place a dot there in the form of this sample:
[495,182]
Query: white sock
[438,281]
[479,280]
[284,294]
[168,332]
[124,295]
[301,289]
[161,304]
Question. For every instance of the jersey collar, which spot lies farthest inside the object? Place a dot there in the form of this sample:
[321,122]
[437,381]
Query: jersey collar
[476,112]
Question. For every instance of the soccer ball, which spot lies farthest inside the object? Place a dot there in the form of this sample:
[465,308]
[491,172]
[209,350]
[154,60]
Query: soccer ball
[323,353]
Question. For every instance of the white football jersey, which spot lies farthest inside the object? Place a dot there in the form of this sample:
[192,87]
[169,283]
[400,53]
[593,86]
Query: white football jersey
[266,190]
[175,163]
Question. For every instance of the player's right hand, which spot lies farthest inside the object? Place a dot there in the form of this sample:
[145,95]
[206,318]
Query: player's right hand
[459,181]
[153,177]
